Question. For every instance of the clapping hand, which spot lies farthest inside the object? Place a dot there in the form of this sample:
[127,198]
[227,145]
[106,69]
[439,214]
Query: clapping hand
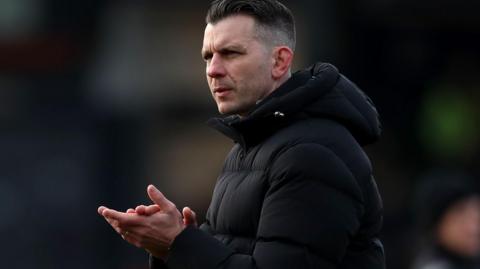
[153,227]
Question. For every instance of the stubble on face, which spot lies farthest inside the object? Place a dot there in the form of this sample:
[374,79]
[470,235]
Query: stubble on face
[238,64]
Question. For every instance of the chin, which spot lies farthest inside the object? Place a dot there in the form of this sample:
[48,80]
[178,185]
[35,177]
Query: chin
[225,109]
[231,109]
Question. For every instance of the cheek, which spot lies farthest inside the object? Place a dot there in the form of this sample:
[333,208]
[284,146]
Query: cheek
[251,77]
[260,78]
[257,73]
[210,82]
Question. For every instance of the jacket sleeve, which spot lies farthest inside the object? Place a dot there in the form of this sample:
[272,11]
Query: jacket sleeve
[155,263]
[311,210]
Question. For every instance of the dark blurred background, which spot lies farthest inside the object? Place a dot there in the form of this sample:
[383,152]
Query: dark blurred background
[100,98]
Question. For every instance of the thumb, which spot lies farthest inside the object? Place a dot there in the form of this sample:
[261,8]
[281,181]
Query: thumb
[158,198]
[189,217]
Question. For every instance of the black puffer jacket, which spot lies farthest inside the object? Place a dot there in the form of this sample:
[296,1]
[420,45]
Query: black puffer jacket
[296,190]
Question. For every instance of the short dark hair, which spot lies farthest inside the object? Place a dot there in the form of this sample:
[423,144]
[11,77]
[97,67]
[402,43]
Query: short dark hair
[272,16]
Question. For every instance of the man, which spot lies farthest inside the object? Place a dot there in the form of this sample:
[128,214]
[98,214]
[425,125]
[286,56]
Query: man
[296,190]
[448,215]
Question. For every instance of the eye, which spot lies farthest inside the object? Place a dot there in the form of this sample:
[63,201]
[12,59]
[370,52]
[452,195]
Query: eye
[230,53]
[207,56]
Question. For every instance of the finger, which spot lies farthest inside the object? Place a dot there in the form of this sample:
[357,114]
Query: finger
[111,221]
[158,198]
[152,209]
[131,238]
[140,210]
[113,214]
[101,209]
[114,224]
[130,210]
[121,219]
[189,216]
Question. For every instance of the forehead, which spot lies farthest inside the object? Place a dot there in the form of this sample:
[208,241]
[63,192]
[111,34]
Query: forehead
[236,29]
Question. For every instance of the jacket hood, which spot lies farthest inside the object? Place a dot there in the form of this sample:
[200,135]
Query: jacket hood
[319,91]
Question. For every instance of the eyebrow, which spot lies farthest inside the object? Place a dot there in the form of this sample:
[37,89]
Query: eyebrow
[234,47]
[225,48]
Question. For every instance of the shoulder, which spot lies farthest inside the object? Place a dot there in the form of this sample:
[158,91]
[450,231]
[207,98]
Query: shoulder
[314,162]
[325,132]
[323,141]
[323,127]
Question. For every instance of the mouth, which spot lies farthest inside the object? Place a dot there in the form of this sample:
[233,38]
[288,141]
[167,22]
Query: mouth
[221,91]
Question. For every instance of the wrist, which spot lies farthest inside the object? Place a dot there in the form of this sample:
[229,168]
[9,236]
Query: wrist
[162,253]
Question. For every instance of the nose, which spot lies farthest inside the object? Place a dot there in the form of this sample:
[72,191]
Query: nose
[215,67]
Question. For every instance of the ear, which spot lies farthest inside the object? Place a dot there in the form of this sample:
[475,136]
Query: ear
[282,60]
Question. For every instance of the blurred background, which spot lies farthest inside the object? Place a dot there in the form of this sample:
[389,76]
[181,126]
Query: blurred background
[100,98]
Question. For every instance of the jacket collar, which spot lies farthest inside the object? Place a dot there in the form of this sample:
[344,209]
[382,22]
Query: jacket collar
[281,108]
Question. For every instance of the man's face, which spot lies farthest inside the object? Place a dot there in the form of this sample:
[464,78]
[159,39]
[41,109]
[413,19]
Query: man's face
[239,65]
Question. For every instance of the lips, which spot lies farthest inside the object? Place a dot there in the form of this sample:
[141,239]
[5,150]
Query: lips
[221,91]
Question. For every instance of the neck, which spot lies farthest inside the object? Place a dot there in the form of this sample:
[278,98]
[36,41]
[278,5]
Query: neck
[275,86]
[280,81]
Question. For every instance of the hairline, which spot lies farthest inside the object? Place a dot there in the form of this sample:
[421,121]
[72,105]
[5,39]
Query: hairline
[270,35]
